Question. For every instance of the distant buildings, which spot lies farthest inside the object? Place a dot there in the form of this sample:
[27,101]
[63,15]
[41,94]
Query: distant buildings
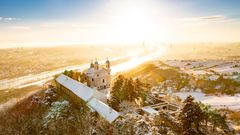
[99,77]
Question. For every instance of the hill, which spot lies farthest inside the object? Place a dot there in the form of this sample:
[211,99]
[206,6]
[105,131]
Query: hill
[48,113]
[153,72]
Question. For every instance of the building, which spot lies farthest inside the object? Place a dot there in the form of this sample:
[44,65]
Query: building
[99,77]
[79,93]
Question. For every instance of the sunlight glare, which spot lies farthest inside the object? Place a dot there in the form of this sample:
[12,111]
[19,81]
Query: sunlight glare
[134,24]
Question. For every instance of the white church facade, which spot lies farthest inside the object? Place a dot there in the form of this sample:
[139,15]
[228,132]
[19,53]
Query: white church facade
[99,77]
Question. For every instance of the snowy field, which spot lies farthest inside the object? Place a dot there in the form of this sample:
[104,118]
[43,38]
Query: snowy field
[206,66]
[224,101]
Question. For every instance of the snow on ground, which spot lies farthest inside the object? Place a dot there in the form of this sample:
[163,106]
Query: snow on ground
[197,72]
[205,66]
[224,101]
[193,64]
[226,68]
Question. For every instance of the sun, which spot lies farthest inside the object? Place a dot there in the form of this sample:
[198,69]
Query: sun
[131,23]
[134,24]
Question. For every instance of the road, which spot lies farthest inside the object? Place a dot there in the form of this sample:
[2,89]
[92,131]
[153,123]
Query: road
[135,59]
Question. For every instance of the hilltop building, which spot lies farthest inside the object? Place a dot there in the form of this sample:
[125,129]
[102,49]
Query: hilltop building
[78,93]
[99,77]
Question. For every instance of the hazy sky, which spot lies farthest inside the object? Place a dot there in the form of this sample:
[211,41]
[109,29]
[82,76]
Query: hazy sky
[55,22]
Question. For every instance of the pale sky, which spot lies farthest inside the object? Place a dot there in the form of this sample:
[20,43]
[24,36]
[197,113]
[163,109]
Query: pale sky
[62,22]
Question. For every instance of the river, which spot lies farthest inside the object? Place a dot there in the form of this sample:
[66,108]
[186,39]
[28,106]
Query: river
[135,59]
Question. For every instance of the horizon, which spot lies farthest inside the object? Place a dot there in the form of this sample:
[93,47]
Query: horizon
[48,23]
[160,45]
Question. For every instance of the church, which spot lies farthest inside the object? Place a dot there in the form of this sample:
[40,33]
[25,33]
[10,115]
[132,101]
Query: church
[99,77]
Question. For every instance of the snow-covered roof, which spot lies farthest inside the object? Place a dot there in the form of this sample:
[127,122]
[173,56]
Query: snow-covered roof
[213,77]
[101,71]
[93,97]
[81,90]
[149,110]
[100,96]
[104,110]
[90,72]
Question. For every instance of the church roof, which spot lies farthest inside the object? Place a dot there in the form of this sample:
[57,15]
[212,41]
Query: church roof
[92,71]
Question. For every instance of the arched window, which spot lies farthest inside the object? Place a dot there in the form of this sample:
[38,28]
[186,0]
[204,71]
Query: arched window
[103,80]
[92,79]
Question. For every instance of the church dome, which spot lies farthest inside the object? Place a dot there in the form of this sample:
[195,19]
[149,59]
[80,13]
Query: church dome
[90,72]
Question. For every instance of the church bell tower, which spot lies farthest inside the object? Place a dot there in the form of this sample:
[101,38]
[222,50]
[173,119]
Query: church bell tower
[107,63]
